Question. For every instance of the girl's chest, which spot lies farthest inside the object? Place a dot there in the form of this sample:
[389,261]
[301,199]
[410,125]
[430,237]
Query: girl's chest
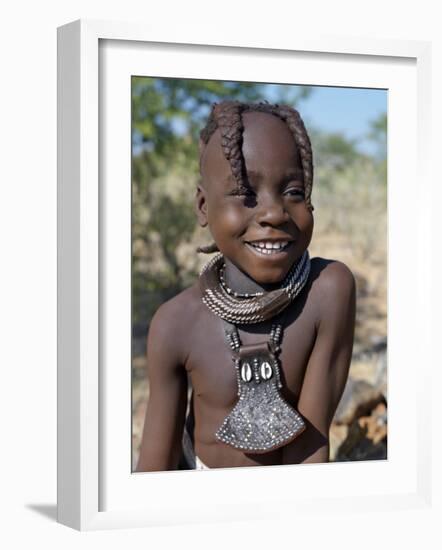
[211,360]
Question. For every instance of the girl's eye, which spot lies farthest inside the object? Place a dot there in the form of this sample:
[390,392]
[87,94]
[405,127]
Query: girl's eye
[295,192]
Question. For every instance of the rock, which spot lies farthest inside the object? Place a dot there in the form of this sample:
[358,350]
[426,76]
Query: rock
[375,424]
[366,438]
[358,399]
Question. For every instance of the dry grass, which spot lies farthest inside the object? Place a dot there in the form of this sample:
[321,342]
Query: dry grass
[351,226]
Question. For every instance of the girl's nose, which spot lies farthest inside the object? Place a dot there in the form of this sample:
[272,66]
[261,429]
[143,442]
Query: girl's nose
[271,211]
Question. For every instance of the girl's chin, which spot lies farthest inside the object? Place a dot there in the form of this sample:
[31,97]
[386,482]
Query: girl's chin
[269,279]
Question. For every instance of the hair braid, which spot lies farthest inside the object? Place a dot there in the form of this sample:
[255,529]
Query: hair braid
[226,116]
[294,121]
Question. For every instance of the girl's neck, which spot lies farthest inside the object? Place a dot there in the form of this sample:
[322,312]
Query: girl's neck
[242,283]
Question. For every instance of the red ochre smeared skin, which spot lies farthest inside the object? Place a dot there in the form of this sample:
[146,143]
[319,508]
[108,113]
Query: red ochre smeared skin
[186,338]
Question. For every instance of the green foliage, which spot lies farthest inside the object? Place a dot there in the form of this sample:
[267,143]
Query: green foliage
[333,151]
[378,135]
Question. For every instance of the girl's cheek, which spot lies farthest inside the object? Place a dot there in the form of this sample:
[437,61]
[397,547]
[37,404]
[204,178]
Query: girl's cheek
[230,210]
[305,218]
[232,218]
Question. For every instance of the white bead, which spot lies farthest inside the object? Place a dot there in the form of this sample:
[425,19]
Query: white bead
[246,372]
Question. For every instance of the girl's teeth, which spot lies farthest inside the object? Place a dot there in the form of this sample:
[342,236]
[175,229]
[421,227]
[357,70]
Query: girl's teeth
[268,247]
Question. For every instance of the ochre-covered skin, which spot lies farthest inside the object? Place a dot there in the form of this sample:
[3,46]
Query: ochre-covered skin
[185,337]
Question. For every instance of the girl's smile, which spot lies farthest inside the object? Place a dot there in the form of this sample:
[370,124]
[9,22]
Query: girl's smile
[269,248]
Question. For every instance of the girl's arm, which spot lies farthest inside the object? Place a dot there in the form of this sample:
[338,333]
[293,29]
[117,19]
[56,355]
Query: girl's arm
[327,369]
[165,415]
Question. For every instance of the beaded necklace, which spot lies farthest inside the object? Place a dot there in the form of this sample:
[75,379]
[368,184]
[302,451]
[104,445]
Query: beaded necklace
[261,420]
[250,308]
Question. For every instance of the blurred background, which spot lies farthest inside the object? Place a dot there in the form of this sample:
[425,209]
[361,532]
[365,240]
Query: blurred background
[348,130]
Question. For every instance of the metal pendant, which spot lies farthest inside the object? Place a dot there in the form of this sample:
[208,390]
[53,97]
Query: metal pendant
[261,420]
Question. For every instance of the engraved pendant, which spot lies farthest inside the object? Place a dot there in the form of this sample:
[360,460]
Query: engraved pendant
[261,420]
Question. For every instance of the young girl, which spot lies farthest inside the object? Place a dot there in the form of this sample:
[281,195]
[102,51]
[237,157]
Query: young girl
[266,333]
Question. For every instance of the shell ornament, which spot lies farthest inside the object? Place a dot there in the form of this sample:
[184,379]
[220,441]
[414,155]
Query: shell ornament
[261,420]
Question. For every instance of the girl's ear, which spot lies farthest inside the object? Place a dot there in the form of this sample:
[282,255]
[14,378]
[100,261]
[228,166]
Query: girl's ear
[201,205]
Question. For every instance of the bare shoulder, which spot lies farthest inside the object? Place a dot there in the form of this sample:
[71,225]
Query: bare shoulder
[180,307]
[332,275]
[333,286]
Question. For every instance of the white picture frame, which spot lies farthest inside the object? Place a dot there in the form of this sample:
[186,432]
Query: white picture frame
[95,486]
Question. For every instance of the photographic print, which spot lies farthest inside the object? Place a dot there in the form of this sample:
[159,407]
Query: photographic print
[259,274]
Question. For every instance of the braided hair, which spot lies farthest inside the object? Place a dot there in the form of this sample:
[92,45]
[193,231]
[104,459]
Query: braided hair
[226,116]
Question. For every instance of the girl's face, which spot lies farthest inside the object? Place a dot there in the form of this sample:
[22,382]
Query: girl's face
[264,228]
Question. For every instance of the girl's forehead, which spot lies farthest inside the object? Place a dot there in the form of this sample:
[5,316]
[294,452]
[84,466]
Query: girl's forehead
[266,142]
[264,132]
